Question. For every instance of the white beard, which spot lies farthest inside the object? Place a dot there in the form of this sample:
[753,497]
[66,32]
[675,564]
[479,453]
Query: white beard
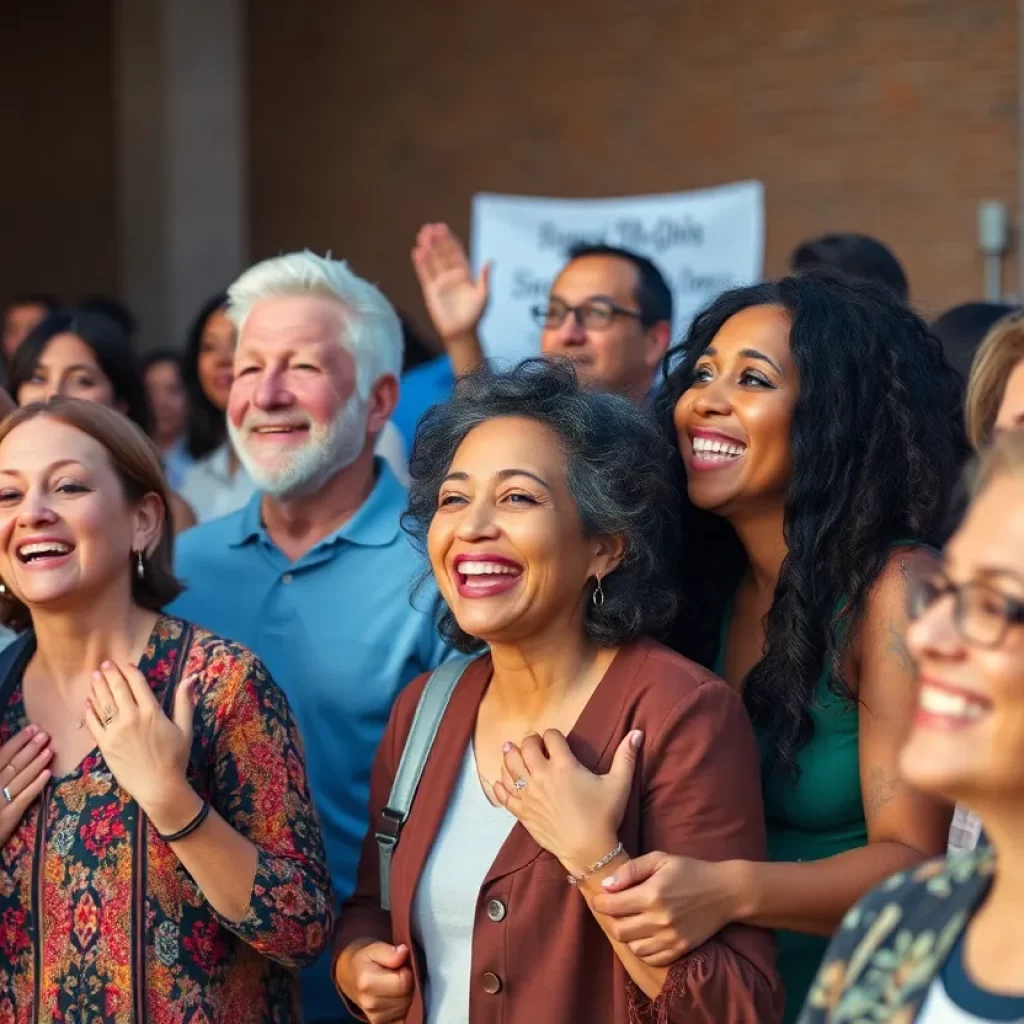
[330,448]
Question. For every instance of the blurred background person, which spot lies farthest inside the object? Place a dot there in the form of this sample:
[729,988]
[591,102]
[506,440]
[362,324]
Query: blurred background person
[21,314]
[801,517]
[113,308]
[995,386]
[609,311]
[551,521]
[944,943]
[314,573]
[87,356]
[175,826]
[857,256]
[168,401]
[963,328]
[217,484]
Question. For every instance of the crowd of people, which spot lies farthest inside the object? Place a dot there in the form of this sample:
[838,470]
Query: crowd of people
[651,679]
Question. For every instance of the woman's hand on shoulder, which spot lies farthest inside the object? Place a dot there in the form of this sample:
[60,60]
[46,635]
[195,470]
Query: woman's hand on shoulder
[23,775]
[663,906]
[377,977]
[146,751]
[570,812]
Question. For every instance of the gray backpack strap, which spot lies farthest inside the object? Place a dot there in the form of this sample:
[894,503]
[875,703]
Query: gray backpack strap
[429,712]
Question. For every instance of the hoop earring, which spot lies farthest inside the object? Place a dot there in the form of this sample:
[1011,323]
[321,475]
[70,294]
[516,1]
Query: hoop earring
[140,568]
[597,598]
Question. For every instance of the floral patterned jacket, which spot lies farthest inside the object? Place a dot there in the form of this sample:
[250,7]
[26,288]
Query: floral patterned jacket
[99,921]
[892,945]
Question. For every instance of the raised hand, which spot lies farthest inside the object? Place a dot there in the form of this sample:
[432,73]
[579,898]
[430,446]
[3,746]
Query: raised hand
[23,774]
[455,301]
[569,811]
[146,751]
[377,977]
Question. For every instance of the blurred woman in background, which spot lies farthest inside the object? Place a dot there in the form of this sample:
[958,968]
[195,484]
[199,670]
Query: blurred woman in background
[86,355]
[168,400]
[995,388]
[216,485]
[945,943]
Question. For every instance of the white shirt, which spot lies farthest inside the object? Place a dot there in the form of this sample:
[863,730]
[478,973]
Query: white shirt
[444,907]
[938,1008]
[212,491]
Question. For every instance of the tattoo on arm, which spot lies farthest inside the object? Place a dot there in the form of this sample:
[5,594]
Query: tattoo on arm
[898,649]
[881,789]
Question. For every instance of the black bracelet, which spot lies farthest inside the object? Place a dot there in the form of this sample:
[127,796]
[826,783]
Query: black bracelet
[190,827]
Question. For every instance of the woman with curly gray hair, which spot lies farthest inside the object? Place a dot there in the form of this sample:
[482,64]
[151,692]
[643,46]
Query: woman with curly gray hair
[571,741]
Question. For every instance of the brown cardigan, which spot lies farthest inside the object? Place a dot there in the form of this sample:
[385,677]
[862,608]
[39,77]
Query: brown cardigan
[538,954]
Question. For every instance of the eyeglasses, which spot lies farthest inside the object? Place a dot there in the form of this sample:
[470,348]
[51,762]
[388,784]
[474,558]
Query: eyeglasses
[981,613]
[593,315]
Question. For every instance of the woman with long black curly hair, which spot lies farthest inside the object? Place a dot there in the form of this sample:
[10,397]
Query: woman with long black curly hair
[819,432]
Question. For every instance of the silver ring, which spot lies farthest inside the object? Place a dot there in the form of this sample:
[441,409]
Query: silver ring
[7,795]
[520,783]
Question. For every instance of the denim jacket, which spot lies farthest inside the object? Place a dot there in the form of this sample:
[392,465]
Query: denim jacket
[892,945]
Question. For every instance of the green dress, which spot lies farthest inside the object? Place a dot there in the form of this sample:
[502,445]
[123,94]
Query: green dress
[817,815]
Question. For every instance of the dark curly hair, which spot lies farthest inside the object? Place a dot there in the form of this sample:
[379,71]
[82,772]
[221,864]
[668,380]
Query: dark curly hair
[207,425]
[877,441]
[619,472]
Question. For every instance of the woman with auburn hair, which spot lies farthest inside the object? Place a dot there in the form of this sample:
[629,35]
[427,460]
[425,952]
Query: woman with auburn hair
[160,851]
[995,388]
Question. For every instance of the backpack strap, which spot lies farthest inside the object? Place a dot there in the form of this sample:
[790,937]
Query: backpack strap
[429,712]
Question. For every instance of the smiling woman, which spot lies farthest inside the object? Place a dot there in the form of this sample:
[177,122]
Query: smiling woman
[129,746]
[946,942]
[818,428]
[549,514]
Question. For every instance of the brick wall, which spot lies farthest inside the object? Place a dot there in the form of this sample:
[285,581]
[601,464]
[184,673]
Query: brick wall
[893,117]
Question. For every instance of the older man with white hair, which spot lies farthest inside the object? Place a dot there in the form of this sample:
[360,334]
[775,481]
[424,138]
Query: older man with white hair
[315,573]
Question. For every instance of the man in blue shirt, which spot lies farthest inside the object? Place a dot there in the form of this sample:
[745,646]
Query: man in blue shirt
[315,573]
[609,311]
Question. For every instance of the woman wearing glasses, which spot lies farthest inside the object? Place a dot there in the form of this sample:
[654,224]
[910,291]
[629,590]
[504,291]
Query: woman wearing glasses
[945,942]
[817,423]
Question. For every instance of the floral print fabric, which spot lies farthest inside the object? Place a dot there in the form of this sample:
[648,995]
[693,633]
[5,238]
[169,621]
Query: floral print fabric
[892,945]
[100,923]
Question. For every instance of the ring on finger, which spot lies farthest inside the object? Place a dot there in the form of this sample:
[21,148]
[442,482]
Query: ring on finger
[520,783]
[7,795]
[109,714]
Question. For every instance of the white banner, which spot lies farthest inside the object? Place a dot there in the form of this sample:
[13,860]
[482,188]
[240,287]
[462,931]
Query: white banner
[703,242]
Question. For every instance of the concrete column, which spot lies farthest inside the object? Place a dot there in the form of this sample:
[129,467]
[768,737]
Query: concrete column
[181,157]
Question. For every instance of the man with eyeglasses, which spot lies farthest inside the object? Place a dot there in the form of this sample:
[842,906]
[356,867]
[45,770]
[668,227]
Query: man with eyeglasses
[609,311]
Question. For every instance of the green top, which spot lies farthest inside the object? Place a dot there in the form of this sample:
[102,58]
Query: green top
[817,815]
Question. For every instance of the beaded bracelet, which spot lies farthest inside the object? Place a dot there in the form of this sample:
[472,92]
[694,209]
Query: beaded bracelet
[603,862]
[190,827]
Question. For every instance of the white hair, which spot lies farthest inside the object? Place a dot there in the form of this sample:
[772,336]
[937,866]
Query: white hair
[372,331]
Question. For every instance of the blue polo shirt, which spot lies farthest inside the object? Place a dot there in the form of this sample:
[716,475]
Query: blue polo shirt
[340,636]
[422,387]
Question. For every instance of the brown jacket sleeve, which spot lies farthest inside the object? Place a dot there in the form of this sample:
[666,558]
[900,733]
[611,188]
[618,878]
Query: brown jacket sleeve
[704,801]
[361,916]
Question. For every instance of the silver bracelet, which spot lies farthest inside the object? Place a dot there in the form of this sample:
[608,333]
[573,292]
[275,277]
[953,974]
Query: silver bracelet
[603,862]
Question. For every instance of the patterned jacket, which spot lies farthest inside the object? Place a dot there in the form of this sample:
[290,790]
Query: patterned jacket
[892,945]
